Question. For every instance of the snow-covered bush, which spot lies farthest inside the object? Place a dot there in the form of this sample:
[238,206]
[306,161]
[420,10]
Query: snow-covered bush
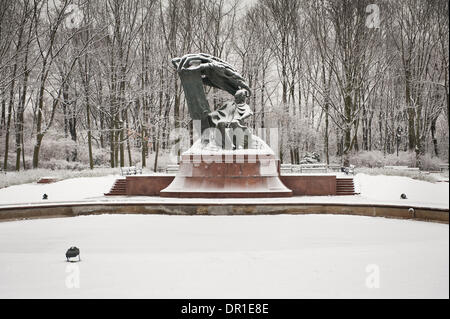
[430,163]
[367,159]
[378,159]
[164,159]
[53,164]
[57,164]
[395,172]
[136,159]
[375,159]
[100,155]
[56,146]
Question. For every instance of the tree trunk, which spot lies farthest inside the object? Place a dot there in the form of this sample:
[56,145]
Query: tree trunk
[121,142]
[36,150]
[8,120]
[111,142]
[3,115]
[10,105]
[347,124]
[433,137]
[20,111]
[411,114]
[155,166]
[130,162]
[327,147]
[88,120]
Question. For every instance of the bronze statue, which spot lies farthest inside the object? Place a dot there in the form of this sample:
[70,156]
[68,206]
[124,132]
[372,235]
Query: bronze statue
[196,70]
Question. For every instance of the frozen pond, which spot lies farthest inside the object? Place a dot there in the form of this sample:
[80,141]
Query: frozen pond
[308,256]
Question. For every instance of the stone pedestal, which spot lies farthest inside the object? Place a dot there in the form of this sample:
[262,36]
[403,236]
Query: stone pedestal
[227,174]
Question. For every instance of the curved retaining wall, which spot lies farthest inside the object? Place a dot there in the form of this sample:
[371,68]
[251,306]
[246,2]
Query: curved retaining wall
[81,209]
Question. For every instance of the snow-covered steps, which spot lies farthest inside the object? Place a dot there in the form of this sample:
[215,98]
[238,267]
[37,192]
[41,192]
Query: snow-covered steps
[119,188]
[345,186]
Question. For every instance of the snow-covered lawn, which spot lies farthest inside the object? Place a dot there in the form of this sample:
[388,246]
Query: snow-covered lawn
[389,188]
[74,189]
[281,256]
[374,190]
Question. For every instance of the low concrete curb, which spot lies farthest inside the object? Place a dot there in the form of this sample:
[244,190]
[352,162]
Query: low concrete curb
[82,209]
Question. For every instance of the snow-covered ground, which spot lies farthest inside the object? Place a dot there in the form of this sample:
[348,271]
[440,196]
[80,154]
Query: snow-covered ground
[374,190]
[284,256]
[74,189]
[389,188]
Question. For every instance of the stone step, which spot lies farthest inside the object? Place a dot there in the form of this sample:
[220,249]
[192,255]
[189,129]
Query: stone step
[345,186]
[119,188]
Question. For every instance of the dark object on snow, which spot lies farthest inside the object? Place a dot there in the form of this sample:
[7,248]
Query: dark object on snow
[403,196]
[348,170]
[73,252]
[45,196]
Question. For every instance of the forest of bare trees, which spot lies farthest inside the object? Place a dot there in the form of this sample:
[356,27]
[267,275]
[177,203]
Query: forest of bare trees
[90,81]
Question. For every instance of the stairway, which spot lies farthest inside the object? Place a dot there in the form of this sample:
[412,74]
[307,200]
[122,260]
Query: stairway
[119,188]
[345,186]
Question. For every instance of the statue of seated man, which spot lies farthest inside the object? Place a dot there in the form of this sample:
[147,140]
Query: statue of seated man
[229,120]
[224,128]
